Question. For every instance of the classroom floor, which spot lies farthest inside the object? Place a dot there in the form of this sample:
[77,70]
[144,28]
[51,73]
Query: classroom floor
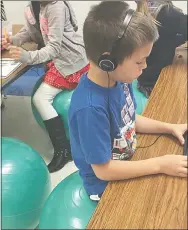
[18,122]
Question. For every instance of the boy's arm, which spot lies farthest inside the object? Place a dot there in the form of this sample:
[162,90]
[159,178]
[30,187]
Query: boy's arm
[147,125]
[95,142]
[173,165]
[121,170]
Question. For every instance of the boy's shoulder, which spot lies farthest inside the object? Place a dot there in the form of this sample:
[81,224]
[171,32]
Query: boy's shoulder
[87,95]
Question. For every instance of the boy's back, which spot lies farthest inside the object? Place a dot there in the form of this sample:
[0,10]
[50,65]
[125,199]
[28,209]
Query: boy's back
[96,126]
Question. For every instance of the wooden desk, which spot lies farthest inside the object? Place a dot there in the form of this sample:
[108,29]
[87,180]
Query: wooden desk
[23,68]
[152,202]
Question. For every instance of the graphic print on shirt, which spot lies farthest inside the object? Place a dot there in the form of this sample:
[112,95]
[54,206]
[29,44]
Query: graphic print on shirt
[124,144]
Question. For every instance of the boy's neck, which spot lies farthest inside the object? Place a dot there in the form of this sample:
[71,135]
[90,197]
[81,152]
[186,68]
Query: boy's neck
[100,77]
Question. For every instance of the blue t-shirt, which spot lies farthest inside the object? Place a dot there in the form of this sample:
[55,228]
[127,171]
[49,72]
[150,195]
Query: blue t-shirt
[102,127]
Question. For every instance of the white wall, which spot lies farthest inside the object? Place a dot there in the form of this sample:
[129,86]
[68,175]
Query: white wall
[81,9]
[182,5]
[15,9]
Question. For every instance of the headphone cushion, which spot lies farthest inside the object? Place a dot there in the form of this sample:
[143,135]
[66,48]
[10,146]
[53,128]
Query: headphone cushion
[107,63]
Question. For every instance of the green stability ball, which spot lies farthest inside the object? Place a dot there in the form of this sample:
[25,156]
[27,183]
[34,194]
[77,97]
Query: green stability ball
[25,185]
[68,206]
[141,99]
[61,104]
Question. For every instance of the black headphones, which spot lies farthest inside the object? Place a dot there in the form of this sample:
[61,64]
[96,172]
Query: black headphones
[106,61]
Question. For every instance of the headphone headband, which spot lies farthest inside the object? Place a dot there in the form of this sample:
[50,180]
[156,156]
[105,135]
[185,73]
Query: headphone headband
[126,22]
[106,62]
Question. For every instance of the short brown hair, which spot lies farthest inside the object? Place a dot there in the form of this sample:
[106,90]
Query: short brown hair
[102,27]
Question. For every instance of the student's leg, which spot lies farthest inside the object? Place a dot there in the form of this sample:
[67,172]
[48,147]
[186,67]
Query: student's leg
[43,100]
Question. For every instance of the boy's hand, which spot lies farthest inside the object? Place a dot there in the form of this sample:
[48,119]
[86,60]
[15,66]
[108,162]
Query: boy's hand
[173,165]
[15,52]
[178,130]
[6,41]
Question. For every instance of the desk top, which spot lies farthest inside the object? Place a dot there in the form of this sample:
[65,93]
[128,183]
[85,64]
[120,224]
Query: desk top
[23,68]
[159,201]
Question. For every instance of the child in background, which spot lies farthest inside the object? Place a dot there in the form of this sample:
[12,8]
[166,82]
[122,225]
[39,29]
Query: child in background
[52,25]
[102,119]
[172,29]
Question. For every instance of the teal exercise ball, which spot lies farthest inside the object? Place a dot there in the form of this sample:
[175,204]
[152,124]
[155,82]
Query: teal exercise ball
[25,185]
[68,206]
[61,104]
[141,99]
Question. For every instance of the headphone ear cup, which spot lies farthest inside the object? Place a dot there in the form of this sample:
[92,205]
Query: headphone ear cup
[107,63]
